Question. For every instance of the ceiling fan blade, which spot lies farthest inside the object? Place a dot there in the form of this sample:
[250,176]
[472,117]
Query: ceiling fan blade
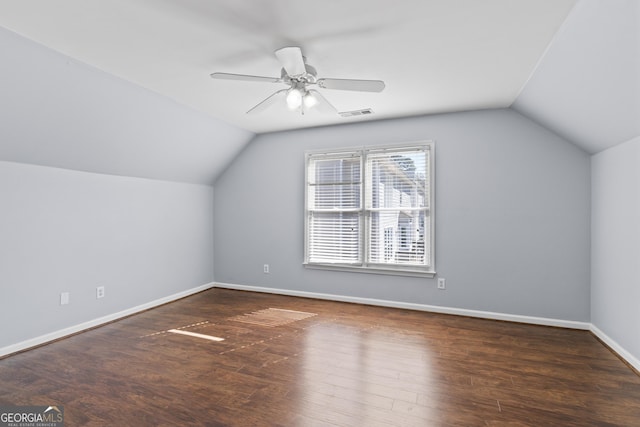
[322,105]
[350,84]
[245,77]
[272,99]
[291,60]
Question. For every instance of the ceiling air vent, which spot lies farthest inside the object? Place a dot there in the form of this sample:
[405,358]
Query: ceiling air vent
[354,113]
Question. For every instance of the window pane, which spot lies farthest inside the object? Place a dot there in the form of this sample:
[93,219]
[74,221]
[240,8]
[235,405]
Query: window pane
[334,196]
[397,237]
[397,180]
[334,237]
[334,170]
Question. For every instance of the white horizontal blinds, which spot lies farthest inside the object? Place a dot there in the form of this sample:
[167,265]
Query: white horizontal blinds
[397,200]
[334,238]
[334,187]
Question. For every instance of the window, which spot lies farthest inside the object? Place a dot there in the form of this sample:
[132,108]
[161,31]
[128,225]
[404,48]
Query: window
[370,209]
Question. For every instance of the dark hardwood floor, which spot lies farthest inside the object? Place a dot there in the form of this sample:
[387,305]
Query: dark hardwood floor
[334,364]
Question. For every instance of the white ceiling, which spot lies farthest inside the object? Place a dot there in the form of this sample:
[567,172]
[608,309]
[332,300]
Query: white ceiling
[434,55]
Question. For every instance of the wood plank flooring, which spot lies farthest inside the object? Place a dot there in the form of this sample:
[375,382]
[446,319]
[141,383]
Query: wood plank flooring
[337,364]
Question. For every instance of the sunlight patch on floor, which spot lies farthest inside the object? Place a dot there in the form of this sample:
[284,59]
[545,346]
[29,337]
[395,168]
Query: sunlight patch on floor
[194,334]
[272,317]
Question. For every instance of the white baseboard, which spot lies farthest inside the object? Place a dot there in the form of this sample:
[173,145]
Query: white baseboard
[43,339]
[412,306]
[621,351]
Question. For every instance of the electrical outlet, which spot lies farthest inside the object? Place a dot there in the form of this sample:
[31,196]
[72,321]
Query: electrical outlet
[266,269]
[64,298]
[100,292]
[442,283]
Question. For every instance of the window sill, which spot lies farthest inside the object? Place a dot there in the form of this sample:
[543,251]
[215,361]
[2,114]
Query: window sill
[373,270]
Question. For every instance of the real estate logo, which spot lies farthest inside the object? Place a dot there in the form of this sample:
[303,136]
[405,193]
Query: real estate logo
[31,416]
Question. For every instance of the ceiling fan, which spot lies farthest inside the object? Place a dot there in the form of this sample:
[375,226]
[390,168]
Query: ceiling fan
[299,75]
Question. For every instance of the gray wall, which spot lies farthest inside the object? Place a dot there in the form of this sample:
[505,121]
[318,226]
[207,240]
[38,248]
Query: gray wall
[69,231]
[512,216]
[615,273]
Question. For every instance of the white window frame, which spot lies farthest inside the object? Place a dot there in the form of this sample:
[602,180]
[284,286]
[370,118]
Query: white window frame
[365,213]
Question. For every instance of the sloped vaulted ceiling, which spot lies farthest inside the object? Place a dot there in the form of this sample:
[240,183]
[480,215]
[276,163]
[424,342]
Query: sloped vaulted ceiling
[60,113]
[586,88]
[573,66]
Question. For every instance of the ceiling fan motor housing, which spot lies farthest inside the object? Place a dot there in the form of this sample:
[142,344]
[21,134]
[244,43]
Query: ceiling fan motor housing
[309,77]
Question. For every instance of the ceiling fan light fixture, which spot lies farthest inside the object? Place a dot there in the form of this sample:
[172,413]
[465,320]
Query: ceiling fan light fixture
[294,98]
[309,100]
